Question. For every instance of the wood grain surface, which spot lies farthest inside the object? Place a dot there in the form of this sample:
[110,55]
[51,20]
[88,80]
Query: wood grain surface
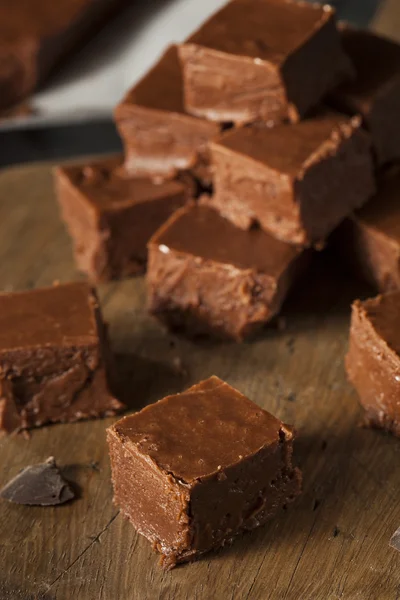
[333,542]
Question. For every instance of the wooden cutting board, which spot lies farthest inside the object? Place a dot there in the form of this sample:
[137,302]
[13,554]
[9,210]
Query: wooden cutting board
[333,542]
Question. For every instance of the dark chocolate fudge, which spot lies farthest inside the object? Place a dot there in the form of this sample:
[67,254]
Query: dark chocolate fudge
[111,217]
[268,60]
[53,357]
[196,469]
[297,181]
[373,359]
[369,241]
[375,93]
[158,135]
[36,34]
[206,276]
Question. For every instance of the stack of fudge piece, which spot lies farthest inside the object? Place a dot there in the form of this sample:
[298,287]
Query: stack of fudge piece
[233,167]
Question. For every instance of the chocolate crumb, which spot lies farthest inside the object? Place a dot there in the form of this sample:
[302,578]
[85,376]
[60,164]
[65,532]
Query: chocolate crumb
[38,485]
[316,503]
[291,397]
[335,531]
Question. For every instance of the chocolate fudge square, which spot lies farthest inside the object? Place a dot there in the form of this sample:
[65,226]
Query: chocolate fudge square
[373,359]
[296,181]
[375,92]
[159,137]
[53,357]
[206,276]
[268,60]
[194,470]
[111,217]
[369,240]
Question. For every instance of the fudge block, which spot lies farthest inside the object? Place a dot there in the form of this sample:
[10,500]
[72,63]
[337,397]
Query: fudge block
[159,137]
[375,92]
[196,469]
[206,276]
[53,357]
[111,218]
[37,35]
[268,60]
[369,240]
[296,181]
[373,359]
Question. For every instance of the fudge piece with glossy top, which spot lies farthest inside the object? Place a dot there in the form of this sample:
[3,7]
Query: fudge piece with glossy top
[194,470]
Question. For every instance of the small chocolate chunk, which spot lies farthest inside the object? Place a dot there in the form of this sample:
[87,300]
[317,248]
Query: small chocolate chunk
[38,485]
[395,540]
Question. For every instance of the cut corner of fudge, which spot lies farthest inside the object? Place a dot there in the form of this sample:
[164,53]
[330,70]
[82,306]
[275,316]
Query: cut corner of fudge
[196,469]
[373,359]
[207,277]
[55,364]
